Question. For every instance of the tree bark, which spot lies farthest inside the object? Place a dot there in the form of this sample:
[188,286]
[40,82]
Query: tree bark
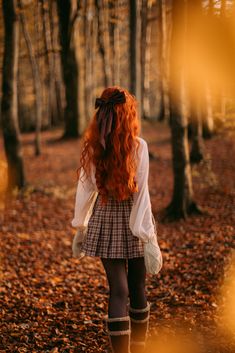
[88,35]
[135,40]
[116,46]
[94,41]
[223,88]
[103,41]
[11,132]
[146,73]
[182,203]
[160,113]
[53,114]
[111,24]
[208,122]
[107,44]
[36,80]
[59,91]
[67,13]
[197,147]
[164,10]
[195,85]
[145,50]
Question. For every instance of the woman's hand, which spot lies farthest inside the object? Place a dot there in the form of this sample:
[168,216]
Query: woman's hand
[77,242]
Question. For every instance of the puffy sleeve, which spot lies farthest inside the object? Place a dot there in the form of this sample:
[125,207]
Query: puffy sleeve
[85,197]
[141,221]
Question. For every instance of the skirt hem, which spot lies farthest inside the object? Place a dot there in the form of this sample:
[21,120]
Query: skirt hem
[112,257]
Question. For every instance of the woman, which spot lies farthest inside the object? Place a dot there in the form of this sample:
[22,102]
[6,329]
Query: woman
[113,207]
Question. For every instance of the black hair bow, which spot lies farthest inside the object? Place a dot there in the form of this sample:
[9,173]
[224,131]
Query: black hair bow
[106,113]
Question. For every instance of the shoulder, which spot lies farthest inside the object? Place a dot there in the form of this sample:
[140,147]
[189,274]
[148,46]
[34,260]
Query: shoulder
[142,141]
[143,147]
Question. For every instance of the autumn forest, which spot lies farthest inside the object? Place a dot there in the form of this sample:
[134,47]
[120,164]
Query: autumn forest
[177,57]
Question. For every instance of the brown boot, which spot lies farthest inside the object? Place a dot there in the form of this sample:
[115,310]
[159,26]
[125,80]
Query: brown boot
[139,328]
[119,334]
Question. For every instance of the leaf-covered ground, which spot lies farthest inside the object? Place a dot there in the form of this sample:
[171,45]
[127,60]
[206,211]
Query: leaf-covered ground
[51,302]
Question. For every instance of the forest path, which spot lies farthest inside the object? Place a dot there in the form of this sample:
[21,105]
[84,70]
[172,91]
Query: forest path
[52,302]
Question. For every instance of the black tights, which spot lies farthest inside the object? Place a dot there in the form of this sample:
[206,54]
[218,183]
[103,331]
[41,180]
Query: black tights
[123,283]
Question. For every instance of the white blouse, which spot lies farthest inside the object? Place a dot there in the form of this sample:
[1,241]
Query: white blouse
[141,222]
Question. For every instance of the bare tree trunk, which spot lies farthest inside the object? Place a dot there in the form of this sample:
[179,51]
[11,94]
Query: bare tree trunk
[135,65]
[146,71]
[145,52]
[41,63]
[59,91]
[81,57]
[116,66]
[223,104]
[165,60]
[160,113]
[111,24]
[197,148]
[53,114]
[107,44]
[208,122]
[182,203]
[102,32]
[11,132]
[223,89]
[85,66]
[195,85]
[88,23]
[94,41]
[36,80]
[43,69]
[68,11]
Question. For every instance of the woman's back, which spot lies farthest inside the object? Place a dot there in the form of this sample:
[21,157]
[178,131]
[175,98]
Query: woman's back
[113,205]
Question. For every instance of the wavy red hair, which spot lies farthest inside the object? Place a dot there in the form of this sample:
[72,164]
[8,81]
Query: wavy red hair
[115,168]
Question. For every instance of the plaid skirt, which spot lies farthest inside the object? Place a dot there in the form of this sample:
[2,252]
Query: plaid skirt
[108,233]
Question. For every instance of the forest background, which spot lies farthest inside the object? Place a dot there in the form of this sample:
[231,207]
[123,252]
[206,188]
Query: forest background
[177,57]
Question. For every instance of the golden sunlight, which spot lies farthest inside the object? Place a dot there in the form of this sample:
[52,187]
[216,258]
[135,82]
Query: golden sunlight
[227,301]
[3,182]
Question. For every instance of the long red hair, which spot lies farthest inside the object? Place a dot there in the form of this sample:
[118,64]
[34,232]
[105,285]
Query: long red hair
[115,167]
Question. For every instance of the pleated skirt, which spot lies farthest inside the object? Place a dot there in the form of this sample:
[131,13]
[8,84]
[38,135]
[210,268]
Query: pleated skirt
[108,232]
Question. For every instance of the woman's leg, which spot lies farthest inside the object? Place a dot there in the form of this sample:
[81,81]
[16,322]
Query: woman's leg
[136,282]
[139,307]
[118,286]
[118,322]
